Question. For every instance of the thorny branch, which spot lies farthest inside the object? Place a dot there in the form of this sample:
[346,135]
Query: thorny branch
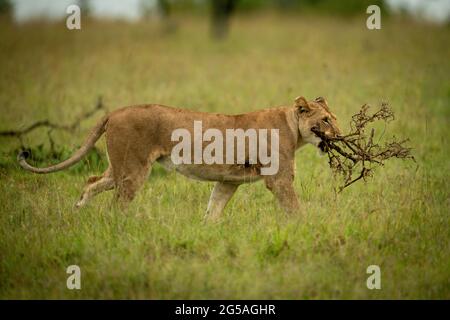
[357,150]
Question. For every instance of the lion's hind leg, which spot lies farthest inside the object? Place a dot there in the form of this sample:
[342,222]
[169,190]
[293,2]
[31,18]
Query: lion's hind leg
[129,183]
[96,185]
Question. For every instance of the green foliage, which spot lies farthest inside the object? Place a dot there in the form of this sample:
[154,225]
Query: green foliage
[334,7]
[275,245]
[249,5]
[5,6]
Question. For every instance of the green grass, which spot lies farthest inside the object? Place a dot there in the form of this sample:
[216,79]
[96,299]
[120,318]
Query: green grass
[160,248]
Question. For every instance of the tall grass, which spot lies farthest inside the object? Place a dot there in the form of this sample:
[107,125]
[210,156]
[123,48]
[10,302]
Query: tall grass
[160,247]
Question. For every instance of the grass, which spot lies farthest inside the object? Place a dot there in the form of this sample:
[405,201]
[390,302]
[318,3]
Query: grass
[160,248]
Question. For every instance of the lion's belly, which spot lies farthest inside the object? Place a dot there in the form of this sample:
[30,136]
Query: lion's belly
[214,172]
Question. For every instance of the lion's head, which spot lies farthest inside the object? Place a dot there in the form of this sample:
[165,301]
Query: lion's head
[316,116]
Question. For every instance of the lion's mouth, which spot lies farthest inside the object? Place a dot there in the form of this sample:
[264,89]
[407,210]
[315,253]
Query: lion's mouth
[323,146]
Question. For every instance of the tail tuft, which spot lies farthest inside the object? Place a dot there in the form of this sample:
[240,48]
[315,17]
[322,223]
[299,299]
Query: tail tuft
[23,155]
[94,135]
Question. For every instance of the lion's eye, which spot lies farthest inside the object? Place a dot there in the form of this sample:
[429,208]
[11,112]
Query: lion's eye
[326,120]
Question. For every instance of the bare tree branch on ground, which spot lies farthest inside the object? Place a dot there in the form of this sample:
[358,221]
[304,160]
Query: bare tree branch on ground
[54,126]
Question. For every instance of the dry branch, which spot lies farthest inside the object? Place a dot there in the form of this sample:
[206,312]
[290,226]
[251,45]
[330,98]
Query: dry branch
[51,125]
[357,151]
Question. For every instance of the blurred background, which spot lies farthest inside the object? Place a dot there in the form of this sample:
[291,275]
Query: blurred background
[436,11]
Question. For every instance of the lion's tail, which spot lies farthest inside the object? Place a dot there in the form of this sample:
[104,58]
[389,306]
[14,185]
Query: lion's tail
[95,134]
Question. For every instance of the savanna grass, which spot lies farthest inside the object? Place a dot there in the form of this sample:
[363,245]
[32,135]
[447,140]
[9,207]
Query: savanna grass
[160,247]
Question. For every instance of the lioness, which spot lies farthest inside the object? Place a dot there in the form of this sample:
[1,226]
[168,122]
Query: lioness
[138,136]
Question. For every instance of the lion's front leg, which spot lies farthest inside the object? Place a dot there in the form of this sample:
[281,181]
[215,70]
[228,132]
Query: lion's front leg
[220,196]
[284,191]
[282,186]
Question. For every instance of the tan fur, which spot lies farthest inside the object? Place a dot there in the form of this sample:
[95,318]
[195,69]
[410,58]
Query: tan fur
[138,136]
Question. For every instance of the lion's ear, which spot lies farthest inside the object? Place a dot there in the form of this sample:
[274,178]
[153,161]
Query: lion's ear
[301,102]
[321,100]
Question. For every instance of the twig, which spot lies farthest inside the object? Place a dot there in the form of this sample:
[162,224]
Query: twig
[47,123]
[357,149]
